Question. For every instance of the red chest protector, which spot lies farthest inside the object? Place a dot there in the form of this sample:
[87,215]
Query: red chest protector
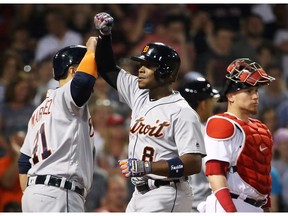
[254,161]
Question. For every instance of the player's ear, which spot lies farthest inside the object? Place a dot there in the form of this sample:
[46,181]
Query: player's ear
[72,70]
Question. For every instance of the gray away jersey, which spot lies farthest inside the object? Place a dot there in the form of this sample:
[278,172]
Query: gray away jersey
[161,129]
[59,139]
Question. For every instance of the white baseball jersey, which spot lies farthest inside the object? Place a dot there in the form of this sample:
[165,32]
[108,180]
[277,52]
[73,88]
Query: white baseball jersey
[228,150]
[160,129]
[60,138]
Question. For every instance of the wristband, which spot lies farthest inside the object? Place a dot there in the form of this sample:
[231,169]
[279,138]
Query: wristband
[147,167]
[176,167]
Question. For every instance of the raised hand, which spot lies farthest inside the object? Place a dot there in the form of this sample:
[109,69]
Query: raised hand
[104,22]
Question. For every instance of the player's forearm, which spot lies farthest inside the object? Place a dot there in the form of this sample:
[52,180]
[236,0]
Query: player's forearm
[217,182]
[106,64]
[220,189]
[23,181]
[192,164]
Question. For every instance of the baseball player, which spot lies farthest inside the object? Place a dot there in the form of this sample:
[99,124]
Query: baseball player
[165,140]
[201,97]
[56,162]
[239,148]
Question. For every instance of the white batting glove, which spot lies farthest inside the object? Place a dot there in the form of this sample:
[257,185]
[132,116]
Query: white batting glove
[139,181]
[104,22]
[132,167]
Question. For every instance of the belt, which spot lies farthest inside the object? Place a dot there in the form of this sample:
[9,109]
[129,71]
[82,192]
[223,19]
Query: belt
[158,183]
[256,203]
[54,181]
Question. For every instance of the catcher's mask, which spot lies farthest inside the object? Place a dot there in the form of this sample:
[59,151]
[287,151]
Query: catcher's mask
[66,57]
[165,58]
[243,73]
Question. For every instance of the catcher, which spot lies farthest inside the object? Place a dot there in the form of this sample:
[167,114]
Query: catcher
[239,148]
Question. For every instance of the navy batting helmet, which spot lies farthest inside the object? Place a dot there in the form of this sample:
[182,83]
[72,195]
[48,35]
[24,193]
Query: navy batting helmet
[197,90]
[243,73]
[165,58]
[66,57]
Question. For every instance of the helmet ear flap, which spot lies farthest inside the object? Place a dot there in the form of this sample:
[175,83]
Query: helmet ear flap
[161,76]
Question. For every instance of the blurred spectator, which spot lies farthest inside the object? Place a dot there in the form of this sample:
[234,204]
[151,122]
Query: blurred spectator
[230,14]
[100,111]
[115,147]
[276,190]
[269,118]
[17,108]
[6,20]
[97,191]
[280,12]
[110,147]
[266,54]
[81,20]
[10,65]
[271,96]
[201,31]
[265,11]
[281,42]
[22,43]
[284,207]
[250,37]
[58,36]
[280,161]
[282,114]
[10,190]
[43,79]
[116,197]
[214,62]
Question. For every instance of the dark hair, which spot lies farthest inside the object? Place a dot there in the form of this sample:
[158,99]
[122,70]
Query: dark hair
[10,54]
[222,26]
[9,94]
[172,18]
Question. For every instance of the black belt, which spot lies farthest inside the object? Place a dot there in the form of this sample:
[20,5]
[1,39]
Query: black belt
[158,183]
[56,182]
[256,203]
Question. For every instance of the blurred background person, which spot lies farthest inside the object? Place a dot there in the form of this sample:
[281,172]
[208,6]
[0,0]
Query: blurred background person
[58,36]
[10,65]
[280,162]
[116,197]
[273,95]
[17,108]
[212,63]
[11,193]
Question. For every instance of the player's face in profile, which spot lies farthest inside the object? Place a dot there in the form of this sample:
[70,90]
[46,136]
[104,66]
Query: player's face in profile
[247,100]
[146,78]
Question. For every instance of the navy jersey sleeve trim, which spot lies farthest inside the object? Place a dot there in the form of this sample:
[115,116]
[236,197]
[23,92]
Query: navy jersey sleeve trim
[82,87]
[105,61]
[24,164]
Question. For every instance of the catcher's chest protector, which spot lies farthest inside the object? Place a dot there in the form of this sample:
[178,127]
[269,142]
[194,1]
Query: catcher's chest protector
[254,161]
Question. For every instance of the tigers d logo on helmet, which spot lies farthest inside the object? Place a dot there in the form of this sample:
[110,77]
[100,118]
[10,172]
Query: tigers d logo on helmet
[145,49]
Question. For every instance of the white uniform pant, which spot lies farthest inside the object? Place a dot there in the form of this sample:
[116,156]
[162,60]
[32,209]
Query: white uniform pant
[175,198]
[212,205]
[42,198]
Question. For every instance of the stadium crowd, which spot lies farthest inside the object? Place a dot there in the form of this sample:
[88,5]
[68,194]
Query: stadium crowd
[207,37]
